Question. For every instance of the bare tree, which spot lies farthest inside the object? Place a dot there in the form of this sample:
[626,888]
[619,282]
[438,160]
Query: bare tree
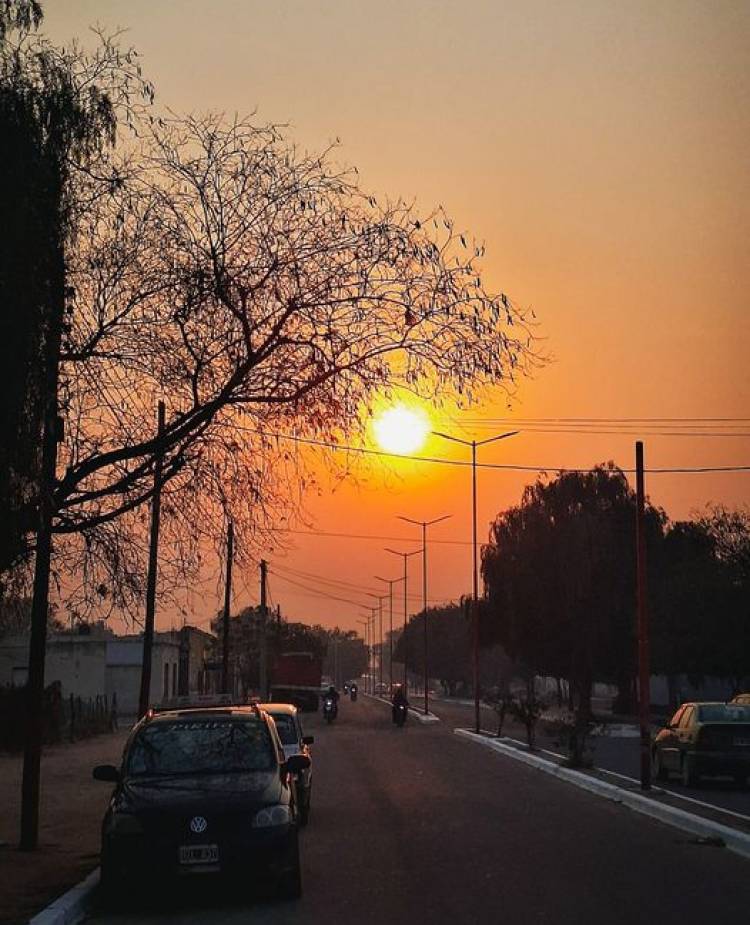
[256,289]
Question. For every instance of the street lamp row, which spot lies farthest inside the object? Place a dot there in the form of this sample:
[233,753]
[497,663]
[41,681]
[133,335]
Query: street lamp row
[424,524]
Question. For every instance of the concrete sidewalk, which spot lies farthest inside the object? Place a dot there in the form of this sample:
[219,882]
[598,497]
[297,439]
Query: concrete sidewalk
[71,811]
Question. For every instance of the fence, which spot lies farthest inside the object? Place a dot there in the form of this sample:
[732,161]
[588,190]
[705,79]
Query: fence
[64,719]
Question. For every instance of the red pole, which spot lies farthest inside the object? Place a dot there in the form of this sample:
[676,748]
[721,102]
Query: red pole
[644,670]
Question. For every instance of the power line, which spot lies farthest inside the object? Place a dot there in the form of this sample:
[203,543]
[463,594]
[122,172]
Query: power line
[507,467]
[336,582]
[315,591]
[612,420]
[366,536]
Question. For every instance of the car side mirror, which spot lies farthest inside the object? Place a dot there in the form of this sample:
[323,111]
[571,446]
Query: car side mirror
[308,740]
[297,763]
[107,772]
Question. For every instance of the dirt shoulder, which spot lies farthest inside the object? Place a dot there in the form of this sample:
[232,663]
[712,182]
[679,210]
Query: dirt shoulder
[71,810]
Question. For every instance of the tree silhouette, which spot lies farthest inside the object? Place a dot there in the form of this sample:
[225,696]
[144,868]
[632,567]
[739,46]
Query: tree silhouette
[559,573]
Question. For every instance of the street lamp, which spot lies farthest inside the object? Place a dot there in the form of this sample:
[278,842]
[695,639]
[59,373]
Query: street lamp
[390,582]
[366,624]
[475,582]
[404,556]
[379,598]
[424,524]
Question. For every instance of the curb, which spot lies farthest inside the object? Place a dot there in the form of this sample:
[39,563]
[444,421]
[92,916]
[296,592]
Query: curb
[430,718]
[71,906]
[738,842]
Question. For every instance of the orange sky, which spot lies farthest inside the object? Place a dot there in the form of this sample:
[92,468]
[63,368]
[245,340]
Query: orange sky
[598,148]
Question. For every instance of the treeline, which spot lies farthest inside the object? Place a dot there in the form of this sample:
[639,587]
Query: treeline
[559,592]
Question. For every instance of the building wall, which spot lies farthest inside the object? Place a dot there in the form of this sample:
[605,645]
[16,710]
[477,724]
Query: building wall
[87,666]
[124,659]
[77,662]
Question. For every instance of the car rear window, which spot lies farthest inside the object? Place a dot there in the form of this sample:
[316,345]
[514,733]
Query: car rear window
[201,747]
[724,713]
[286,728]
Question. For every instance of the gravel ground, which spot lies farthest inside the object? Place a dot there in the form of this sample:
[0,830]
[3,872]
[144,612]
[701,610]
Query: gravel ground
[72,806]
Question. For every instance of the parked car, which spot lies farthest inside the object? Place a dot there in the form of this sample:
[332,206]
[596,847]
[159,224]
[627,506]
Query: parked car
[704,738]
[202,791]
[294,742]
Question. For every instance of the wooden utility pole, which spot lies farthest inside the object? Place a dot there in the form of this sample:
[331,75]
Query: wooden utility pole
[153,564]
[225,685]
[644,668]
[263,667]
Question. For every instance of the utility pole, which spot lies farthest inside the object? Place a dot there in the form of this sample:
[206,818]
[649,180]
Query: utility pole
[424,524]
[227,604]
[263,668]
[153,565]
[51,436]
[644,669]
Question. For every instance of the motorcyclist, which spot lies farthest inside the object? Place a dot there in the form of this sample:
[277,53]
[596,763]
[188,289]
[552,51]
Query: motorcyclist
[333,694]
[398,699]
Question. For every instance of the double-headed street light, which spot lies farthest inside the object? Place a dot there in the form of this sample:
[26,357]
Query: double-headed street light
[424,524]
[475,578]
[404,556]
[390,582]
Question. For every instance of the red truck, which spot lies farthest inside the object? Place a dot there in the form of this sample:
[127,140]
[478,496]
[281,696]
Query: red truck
[296,678]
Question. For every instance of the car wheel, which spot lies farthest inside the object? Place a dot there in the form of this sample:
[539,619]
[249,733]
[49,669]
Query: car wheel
[290,882]
[657,768]
[689,775]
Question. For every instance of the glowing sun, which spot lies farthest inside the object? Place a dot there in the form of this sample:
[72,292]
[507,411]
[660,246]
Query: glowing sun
[401,430]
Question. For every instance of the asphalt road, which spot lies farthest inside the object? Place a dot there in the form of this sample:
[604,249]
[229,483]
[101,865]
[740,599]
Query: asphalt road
[416,825]
[613,754]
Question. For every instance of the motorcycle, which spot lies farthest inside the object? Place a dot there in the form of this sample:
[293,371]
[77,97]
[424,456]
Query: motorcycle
[329,709]
[400,711]
[353,694]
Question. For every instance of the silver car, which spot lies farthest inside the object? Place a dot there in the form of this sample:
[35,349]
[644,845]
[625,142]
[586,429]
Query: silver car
[294,742]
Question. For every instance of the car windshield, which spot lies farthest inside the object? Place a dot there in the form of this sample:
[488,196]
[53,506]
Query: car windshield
[286,728]
[724,713]
[200,747]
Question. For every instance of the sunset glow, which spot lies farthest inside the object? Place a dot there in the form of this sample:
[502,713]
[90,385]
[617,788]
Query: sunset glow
[401,429]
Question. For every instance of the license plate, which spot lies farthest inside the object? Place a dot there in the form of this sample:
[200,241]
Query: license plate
[742,742]
[199,854]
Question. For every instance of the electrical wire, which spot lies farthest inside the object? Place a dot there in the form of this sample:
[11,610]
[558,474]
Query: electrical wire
[337,582]
[507,467]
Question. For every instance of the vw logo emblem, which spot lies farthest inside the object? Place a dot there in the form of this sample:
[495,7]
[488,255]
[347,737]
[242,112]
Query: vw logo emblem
[198,824]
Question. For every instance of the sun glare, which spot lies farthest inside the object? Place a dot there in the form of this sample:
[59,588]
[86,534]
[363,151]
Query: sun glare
[401,429]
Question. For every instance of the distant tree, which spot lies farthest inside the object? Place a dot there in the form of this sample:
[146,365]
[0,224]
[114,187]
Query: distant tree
[730,532]
[686,591]
[701,613]
[559,574]
[449,657]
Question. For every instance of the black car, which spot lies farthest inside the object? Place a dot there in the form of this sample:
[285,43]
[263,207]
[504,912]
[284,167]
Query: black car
[202,791]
